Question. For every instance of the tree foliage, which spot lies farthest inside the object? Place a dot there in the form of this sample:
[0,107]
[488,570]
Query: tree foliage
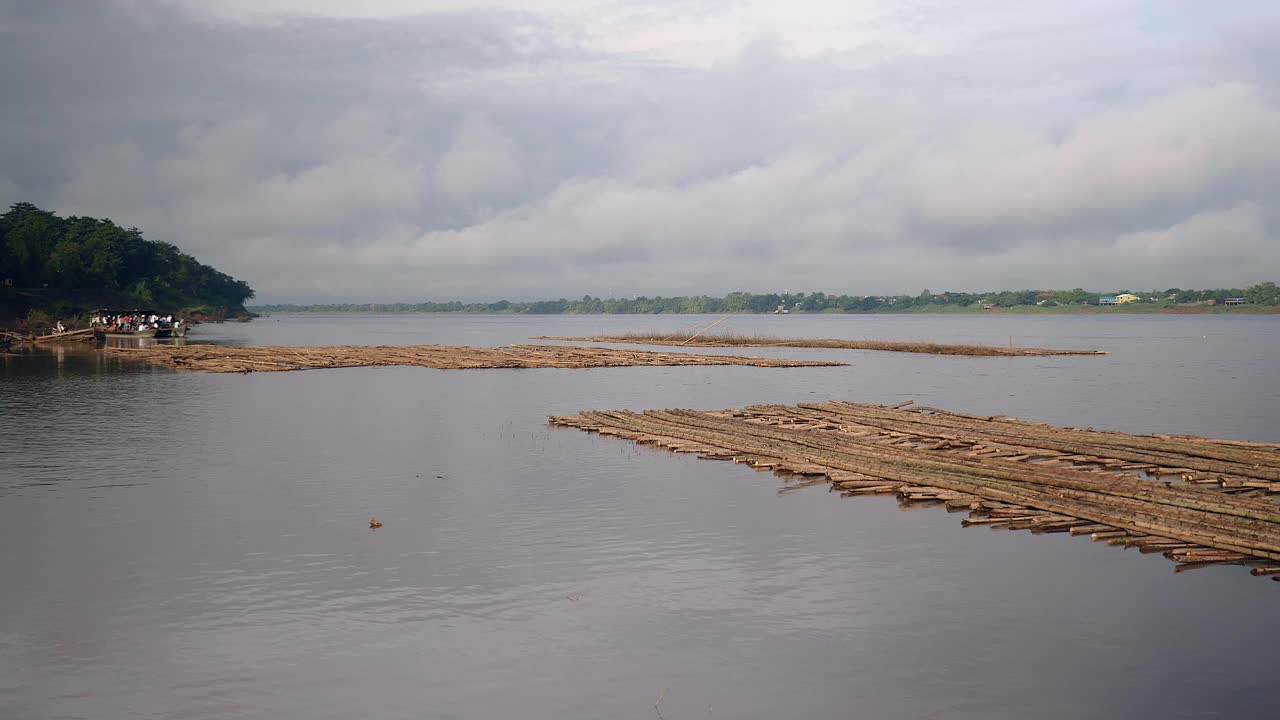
[80,260]
[1263,294]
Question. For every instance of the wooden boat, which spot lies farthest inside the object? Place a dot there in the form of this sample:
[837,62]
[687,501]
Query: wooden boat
[84,335]
[114,333]
[157,330]
[66,336]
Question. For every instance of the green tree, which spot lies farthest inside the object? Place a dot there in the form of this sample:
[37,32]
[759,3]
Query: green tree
[85,261]
[1263,294]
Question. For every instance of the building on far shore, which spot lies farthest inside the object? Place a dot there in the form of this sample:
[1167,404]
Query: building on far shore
[1118,299]
[1234,301]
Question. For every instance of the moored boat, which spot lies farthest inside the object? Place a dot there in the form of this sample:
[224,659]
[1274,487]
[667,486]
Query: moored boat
[65,336]
[108,323]
[121,333]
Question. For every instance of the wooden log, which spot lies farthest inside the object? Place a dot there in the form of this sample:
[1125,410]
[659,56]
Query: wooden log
[874,490]
[993,520]
[1090,529]
[1150,549]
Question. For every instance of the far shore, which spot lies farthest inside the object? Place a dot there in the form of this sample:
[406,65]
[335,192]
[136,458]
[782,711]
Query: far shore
[925,310]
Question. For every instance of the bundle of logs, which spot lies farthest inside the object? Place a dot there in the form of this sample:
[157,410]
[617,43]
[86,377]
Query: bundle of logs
[928,348]
[226,359]
[1200,501]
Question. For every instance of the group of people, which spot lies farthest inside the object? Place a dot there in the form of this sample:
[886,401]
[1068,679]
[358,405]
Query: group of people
[129,322]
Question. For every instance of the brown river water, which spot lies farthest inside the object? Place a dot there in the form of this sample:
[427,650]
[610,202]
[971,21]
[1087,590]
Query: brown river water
[191,545]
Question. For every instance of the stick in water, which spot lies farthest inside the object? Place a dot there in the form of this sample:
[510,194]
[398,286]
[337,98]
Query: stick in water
[691,337]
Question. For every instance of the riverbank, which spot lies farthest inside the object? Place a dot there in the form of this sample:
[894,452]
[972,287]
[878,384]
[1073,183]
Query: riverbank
[932,309]
[39,322]
[1126,309]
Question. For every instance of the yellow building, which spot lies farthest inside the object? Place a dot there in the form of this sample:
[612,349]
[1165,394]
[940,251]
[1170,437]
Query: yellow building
[1126,298]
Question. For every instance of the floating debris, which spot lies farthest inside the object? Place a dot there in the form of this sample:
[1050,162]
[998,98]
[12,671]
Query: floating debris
[374,524]
[833,344]
[1199,501]
[227,359]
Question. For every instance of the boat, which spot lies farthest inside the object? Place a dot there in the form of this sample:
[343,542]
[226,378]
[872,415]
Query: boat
[104,324]
[65,336]
[117,333]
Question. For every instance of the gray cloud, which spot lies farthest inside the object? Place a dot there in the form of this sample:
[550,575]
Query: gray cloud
[562,148]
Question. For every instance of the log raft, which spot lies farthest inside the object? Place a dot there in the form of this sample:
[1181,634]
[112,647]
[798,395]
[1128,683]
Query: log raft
[1199,501]
[722,341]
[227,359]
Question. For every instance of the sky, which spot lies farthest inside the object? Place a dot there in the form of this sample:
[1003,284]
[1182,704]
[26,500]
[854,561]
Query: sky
[393,150]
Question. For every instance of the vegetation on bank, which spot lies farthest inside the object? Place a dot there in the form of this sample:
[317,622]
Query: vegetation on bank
[1264,295]
[54,267]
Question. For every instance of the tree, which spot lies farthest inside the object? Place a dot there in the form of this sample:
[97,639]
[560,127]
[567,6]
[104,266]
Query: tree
[90,261]
[1263,294]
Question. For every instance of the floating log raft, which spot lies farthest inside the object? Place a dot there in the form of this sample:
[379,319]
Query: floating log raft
[217,358]
[833,344]
[1198,500]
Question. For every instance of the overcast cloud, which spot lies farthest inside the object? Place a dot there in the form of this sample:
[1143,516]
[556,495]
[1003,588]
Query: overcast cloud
[392,150]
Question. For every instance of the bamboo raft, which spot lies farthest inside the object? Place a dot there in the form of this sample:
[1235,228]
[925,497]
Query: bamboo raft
[1200,501]
[225,359]
[831,344]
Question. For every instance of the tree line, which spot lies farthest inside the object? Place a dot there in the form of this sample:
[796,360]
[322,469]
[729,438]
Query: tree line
[68,265]
[743,302]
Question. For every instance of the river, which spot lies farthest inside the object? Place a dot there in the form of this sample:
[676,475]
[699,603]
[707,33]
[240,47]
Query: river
[191,545]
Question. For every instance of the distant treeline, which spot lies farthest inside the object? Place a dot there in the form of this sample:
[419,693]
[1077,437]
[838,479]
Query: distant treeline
[67,265]
[1263,294]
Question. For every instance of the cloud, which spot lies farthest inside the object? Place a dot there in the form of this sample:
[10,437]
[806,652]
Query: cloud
[1172,151]
[481,161]
[230,178]
[558,148]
